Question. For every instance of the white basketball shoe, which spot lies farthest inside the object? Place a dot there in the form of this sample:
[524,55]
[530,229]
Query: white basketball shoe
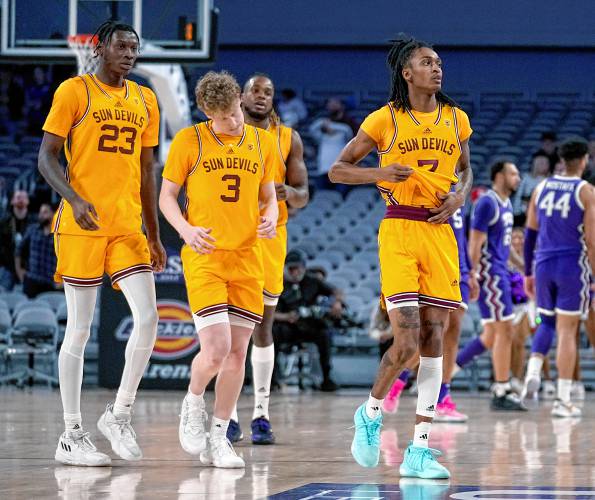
[565,410]
[220,453]
[121,435]
[192,433]
[75,448]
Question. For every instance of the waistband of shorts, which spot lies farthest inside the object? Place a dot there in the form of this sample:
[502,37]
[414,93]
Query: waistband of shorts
[407,212]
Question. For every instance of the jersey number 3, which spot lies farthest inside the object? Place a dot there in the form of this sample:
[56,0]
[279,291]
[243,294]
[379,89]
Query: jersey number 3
[233,187]
[107,140]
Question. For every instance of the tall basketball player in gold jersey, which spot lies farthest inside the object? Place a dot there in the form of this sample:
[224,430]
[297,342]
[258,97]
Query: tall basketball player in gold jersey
[291,185]
[108,127]
[227,169]
[422,141]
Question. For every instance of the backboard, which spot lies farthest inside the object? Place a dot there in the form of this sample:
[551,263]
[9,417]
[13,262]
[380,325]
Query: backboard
[170,30]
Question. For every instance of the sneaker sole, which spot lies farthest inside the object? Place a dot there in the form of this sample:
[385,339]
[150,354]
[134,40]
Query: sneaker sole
[353,454]
[264,442]
[406,473]
[451,420]
[206,460]
[61,457]
[106,434]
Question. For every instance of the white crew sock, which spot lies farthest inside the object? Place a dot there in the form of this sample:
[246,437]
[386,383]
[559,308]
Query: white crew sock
[534,366]
[263,363]
[80,302]
[421,435]
[564,386]
[501,388]
[234,414]
[195,399]
[218,429]
[374,407]
[139,290]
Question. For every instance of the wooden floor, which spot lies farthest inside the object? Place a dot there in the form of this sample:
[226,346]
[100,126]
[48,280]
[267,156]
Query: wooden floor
[493,451]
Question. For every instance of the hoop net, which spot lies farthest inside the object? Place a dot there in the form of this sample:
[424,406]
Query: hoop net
[83,47]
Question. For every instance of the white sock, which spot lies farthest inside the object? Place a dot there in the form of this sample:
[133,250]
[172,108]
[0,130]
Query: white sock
[534,367]
[501,388]
[421,435]
[263,363]
[195,399]
[429,379]
[80,302]
[218,428]
[564,386]
[374,407]
[139,290]
[234,414]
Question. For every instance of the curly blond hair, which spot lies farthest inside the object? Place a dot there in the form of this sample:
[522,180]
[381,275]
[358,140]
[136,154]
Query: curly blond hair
[216,91]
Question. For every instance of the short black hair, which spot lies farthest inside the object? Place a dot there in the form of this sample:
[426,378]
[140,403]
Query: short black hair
[574,148]
[295,257]
[549,136]
[497,167]
[258,74]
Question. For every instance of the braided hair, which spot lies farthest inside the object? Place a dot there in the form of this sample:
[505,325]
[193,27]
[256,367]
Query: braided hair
[398,57]
[103,34]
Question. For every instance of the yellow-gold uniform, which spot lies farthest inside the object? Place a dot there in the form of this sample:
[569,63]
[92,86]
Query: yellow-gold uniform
[222,176]
[274,250]
[418,260]
[105,129]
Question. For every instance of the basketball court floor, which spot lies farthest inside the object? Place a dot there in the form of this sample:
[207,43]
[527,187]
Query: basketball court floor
[494,455]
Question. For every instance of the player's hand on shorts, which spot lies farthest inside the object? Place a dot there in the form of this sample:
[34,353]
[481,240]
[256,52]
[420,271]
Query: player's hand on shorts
[282,191]
[158,255]
[451,202]
[85,214]
[530,287]
[394,173]
[473,288]
[266,229]
[199,239]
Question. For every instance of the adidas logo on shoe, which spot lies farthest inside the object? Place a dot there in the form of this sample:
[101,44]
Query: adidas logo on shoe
[65,447]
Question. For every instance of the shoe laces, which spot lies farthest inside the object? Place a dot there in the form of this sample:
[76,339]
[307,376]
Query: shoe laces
[83,441]
[195,418]
[125,428]
[372,428]
[418,458]
[222,447]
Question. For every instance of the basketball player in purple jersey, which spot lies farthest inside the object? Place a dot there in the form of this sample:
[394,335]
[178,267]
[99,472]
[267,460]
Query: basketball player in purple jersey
[561,224]
[446,408]
[489,250]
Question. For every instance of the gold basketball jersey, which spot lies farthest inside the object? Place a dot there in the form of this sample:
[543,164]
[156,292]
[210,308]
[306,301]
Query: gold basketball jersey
[222,176]
[105,129]
[283,136]
[430,143]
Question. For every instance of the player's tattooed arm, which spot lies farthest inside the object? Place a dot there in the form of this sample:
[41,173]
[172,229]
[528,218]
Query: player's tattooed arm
[452,201]
[295,191]
[148,196]
[51,170]
[346,171]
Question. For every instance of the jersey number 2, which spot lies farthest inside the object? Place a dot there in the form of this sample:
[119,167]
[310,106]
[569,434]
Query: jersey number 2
[112,135]
[233,187]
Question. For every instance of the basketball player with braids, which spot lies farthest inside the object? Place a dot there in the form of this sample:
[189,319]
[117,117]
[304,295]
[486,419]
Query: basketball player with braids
[291,184]
[227,169]
[108,126]
[422,140]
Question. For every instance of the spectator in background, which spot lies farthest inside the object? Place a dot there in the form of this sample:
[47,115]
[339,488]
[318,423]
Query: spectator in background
[35,261]
[302,312]
[12,230]
[540,169]
[332,134]
[16,98]
[549,149]
[292,109]
[38,101]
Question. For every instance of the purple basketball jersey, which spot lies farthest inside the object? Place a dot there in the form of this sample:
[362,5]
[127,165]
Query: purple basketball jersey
[493,216]
[560,217]
[457,222]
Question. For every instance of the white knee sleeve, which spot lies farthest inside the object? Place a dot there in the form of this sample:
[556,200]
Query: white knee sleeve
[139,290]
[429,378]
[80,302]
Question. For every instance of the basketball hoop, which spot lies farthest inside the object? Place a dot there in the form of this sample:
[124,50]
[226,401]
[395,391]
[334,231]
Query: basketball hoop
[83,47]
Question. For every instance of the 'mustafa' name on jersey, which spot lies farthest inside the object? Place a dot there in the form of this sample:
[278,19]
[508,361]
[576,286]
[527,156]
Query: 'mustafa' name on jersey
[560,216]
[457,222]
[493,216]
